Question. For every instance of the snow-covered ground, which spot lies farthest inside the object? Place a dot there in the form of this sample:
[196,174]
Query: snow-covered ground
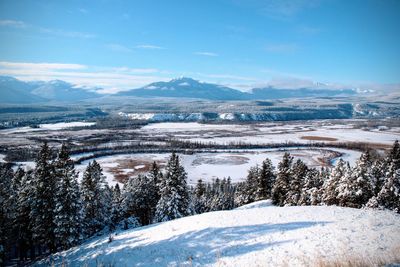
[63,125]
[274,132]
[208,166]
[47,127]
[255,235]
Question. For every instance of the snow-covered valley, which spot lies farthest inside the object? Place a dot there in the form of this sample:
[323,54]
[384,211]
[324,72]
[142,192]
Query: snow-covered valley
[258,234]
[209,166]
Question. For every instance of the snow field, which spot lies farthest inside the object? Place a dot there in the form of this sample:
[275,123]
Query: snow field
[272,132]
[255,235]
[209,166]
[47,127]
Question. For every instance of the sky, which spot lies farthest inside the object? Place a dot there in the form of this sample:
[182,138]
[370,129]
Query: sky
[120,45]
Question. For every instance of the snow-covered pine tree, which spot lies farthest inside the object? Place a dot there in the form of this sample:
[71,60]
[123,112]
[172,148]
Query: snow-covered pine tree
[67,213]
[240,194]
[252,182]
[389,196]
[265,180]
[362,179]
[140,198]
[156,176]
[311,189]
[117,210]
[43,204]
[281,185]
[298,171]
[199,200]
[94,196]
[226,195]
[15,187]
[22,220]
[6,209]
[355,187]
[331,185]
[174,199]
[393,157]
[16,181]
[378,170]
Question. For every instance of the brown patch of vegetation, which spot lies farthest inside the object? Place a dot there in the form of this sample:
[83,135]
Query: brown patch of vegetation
[318,138]
[122,175]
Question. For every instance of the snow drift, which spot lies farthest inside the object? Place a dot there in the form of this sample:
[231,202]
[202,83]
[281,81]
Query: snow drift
[258,234]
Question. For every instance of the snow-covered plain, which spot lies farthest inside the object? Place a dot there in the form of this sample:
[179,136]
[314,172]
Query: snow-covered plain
[47,127]
[255,235]
[208,166]
[264,133]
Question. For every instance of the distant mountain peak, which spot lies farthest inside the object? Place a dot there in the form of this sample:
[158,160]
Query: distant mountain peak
[7,79]
[13,90]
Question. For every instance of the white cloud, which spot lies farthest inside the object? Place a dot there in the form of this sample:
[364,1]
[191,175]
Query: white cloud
[41,66]
[70,34]
[57,32]
[118,48]
[135,70]
[149,46]
[13,23]
[204,53]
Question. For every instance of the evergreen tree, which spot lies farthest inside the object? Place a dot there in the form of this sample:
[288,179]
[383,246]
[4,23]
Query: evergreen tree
[240,195]
[117,211]
[174,195]
[140,198]
[22,222]
[15,188]
[378,175]
[312,187]
[265,180]
[331,185]
[67,211]
[252,182]
[393,157]
[199,197]
[43,205]
[389,196]
[95,200]
[362,179]
[299,171]
[156,176]
[6,208]
[355,187]
[281,185]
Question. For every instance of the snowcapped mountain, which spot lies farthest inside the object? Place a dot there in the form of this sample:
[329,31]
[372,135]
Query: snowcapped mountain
[62,91]
[16,91]
[257,234]
[190,88]
[187,88]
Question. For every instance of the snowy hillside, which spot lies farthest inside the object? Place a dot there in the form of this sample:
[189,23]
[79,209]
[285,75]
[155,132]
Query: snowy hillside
[258,234]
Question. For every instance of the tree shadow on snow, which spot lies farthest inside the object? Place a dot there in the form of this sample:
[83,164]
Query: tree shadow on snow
[196,247]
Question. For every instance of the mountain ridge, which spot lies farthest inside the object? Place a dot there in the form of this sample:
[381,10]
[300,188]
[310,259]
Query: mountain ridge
[13,90]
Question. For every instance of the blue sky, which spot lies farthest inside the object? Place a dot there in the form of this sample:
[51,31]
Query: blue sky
[120,45]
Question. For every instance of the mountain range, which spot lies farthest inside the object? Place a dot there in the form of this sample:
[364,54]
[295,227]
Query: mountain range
[13,90]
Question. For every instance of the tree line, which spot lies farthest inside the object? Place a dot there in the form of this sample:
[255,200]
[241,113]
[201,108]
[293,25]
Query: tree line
[46,209]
